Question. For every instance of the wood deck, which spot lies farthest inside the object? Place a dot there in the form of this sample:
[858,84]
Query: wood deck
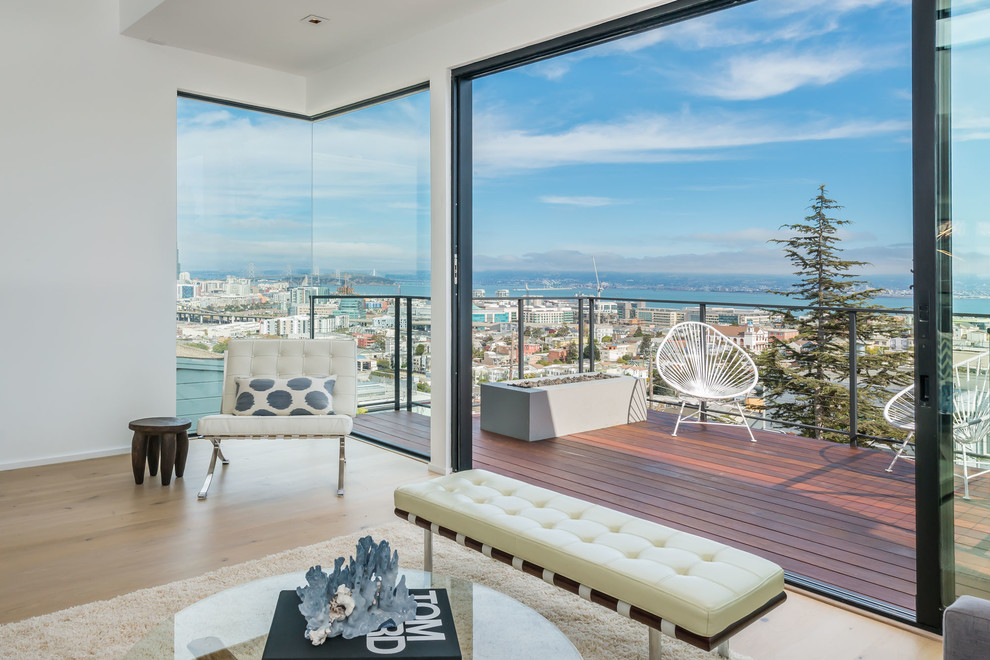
[821,510]
[401,428]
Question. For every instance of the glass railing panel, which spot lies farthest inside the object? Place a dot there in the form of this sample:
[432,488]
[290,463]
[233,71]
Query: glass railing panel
[392,334]
[198,387]
[370,322]
[419,329]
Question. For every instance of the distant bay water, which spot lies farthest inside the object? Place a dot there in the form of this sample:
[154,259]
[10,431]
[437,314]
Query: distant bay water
[677,299]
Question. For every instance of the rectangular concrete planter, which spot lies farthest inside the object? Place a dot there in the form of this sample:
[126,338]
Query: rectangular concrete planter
[552,411]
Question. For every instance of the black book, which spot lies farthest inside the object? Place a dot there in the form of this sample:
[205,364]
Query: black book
[431,636]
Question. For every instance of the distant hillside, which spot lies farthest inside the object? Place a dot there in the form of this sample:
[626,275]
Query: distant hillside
[368,280]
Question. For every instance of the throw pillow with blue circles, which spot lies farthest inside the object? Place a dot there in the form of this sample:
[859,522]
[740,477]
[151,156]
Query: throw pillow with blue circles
[297,395]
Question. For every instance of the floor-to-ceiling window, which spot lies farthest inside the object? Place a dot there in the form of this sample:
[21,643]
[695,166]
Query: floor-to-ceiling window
[292,226]
[675,175]
[371,246]
[244,232]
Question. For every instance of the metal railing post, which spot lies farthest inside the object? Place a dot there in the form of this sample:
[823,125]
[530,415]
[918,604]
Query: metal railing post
[702,316]
[396,354]
[312,317]
[580,325]
[591,334]
[520,332]
[853,382]
[409,355]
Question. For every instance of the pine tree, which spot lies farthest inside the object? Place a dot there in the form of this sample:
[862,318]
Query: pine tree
[806,381]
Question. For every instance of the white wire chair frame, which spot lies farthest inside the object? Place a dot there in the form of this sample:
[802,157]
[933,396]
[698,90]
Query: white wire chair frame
[970,412]
[899,413]
[701,363]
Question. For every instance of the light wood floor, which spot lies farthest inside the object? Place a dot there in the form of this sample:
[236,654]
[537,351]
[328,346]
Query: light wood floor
[78,532]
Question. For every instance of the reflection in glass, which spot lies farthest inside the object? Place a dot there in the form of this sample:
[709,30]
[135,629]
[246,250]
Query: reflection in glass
[964,250]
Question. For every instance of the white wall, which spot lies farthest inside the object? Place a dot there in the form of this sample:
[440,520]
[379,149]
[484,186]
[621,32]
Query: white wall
[501,28]
[87,205]
[87,187]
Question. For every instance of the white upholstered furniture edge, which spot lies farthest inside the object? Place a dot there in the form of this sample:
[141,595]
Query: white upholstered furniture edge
[685,586]
[281,358]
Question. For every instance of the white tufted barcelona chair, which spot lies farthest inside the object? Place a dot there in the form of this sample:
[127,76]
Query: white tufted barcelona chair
[701,363]
[282,358]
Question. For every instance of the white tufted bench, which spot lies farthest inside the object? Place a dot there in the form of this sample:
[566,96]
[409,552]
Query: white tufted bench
[688,587]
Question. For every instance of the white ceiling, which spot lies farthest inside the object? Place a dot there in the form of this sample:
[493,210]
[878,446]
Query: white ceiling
[270,33]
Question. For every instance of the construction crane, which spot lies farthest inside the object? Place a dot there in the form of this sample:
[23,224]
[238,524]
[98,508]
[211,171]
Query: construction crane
[598,282]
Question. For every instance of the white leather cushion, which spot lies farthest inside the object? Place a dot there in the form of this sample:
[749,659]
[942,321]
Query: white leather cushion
[240,426]
[269,396]
[693,582]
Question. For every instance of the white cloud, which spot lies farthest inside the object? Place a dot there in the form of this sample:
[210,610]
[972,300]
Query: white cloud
[275,225]
[580,200]
[753,236]
[970,123]
[789,7]
[750,77]
[246,187]
[767,22]
[218,116]
[357,251]
[756,260]
[553,69]
[652,138]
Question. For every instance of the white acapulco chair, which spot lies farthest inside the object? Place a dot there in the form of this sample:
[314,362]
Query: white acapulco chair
[970,413]
[899,413]
[971,410]
[701,363]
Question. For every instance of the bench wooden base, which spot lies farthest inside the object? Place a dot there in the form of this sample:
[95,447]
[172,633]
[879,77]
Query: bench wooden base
[718,641]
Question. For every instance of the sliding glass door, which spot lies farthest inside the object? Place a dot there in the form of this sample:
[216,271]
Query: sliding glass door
[668,168]
[963,253]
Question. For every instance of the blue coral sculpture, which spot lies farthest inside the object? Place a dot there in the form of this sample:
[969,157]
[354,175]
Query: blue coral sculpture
[358,598]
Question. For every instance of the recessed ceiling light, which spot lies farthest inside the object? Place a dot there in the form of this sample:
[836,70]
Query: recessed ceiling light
[313,19]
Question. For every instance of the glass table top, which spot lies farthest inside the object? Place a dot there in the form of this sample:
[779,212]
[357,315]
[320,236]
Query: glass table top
[234,623]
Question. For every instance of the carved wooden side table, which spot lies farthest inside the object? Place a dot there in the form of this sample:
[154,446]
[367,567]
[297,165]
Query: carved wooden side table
[156,437]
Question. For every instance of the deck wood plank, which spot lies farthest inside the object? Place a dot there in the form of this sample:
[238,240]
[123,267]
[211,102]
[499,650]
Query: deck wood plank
[820,509]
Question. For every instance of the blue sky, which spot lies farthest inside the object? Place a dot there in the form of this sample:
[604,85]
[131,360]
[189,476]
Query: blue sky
[680,150]
[349,192]
[970,66]
[685,148]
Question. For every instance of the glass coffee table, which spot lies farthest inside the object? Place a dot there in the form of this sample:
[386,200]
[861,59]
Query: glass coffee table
[234,623]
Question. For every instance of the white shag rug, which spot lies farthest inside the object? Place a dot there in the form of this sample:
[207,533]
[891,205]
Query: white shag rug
[109,628]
